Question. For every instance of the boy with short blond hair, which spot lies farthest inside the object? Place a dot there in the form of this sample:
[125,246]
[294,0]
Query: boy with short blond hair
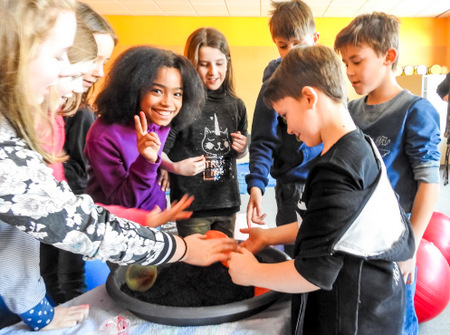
[344,277]
[404,127]
[271,148]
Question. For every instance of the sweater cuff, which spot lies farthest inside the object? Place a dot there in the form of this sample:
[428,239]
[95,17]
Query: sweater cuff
[427,172]
[255,183]
[39,316]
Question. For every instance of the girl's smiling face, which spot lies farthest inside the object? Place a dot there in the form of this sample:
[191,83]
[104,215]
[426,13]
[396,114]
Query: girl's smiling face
[212,67]
[51,57]
[164,100]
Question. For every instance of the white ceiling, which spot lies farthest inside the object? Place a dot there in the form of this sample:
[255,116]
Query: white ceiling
[260,8]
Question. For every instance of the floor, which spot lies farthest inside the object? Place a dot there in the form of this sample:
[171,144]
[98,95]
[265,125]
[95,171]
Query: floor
[439,325]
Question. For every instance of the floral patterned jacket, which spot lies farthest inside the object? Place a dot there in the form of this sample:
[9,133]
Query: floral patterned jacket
[33,202]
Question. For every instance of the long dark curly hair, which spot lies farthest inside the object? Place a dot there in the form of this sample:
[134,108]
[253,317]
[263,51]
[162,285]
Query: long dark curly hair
[131,78]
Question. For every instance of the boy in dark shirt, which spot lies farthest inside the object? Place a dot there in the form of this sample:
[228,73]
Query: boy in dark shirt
[351,231]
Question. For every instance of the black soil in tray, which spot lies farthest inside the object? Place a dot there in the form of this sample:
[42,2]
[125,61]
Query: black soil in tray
[184,285]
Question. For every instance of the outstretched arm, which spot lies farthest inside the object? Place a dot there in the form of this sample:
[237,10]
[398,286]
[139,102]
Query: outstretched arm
[245,269]
[260,238]
[264,141]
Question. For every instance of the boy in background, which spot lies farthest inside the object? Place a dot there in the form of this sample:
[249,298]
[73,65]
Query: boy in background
[272,149]
[405,127]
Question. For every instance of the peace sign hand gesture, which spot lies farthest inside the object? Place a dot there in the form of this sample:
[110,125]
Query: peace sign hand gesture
[148,144]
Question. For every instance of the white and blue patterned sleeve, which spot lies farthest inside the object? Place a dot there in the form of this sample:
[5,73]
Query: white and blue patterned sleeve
[35,203]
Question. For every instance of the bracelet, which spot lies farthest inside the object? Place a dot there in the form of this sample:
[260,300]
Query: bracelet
[185,250]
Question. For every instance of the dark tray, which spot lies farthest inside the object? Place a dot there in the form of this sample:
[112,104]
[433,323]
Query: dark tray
[194,316]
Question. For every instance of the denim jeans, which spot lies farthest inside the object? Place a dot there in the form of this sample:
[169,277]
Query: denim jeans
[410,322]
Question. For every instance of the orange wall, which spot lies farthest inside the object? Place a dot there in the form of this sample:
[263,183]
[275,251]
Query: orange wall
[423,41]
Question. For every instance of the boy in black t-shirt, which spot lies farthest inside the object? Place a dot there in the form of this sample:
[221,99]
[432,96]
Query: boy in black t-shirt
[351,230]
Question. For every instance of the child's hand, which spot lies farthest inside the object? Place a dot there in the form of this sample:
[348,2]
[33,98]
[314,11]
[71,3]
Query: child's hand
[203,251]
[148,144]
[242,266]
[164,180]
[256,240]
[239,142]
[190,166]
[66,317]
[408,270]
[254,211]
[156,218]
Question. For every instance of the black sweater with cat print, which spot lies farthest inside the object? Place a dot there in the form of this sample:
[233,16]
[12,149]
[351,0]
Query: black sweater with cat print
[216,190]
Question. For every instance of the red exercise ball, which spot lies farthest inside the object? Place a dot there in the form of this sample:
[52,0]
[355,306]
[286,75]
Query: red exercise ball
[433,282]
[438,232]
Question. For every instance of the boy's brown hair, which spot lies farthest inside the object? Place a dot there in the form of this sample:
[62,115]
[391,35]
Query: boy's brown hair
[316,66]
[378,30]
[291,19]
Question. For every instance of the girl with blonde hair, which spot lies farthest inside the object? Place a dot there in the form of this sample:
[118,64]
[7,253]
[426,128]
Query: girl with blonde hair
[35,36]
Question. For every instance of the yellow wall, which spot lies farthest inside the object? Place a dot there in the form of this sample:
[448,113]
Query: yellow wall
[423,41]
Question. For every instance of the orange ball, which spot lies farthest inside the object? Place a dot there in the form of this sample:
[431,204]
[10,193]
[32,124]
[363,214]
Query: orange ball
[211,234]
